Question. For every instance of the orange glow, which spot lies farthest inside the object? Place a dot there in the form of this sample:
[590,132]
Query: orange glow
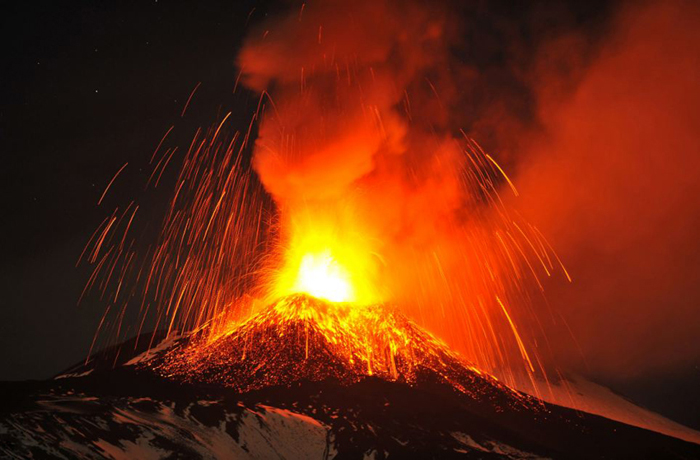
[300,337]
[327,262]
[321,276]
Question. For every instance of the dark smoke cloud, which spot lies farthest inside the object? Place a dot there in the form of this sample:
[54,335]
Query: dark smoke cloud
[612,178]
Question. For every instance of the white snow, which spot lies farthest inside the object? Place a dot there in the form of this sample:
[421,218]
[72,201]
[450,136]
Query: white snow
[586,396]
[492,447]
[264,432]
[77,374]
[280,433]
[141,449]
[152,352]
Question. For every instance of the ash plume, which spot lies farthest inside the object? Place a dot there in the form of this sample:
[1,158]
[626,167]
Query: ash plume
[612,178]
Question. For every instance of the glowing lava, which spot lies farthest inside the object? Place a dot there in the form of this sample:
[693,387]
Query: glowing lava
[321,276]
[299,337]
[328,260]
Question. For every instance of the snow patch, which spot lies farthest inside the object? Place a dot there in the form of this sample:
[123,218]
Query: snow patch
[280,433]
[586,396]
[492,447]
[153,352]
[74,375]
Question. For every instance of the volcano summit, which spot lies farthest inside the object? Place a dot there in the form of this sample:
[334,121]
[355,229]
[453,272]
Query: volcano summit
[304,338]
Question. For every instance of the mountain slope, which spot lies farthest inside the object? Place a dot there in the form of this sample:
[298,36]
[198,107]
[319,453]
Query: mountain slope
[303,379]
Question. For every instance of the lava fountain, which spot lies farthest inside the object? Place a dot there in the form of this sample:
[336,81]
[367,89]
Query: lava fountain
[360,194]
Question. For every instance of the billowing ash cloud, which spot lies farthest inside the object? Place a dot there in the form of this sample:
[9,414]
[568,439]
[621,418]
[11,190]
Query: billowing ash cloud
[340,76]
[613,180]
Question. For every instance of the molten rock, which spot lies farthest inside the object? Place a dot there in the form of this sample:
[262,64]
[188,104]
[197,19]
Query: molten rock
[304,338]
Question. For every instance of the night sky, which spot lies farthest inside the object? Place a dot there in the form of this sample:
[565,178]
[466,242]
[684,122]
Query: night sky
[87,89]
[89,86]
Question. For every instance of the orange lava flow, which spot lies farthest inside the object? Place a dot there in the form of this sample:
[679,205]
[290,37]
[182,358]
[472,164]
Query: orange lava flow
[369,337]
[300,337]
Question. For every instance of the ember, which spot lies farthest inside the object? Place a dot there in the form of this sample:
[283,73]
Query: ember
[304,338]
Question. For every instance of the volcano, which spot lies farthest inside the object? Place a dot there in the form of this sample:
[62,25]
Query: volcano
[304,338]
[302,378]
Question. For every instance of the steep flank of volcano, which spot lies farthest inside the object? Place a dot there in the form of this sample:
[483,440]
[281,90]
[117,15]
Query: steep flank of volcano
[304,338]
[303,378]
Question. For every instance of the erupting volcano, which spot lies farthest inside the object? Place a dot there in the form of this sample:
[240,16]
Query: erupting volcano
[356,189]
[320,332]
[340,275]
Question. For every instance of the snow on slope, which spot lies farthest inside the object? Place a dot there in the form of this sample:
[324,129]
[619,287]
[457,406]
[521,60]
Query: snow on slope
[581,394]
[146,429]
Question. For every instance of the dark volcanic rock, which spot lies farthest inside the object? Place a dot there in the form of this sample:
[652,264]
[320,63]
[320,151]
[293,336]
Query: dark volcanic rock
[282,388]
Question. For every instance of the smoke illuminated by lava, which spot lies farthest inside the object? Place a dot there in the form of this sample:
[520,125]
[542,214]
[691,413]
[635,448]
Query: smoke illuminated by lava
[619,143]
[376,201]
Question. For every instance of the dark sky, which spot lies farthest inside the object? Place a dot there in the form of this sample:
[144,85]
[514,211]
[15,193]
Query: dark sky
[89,86]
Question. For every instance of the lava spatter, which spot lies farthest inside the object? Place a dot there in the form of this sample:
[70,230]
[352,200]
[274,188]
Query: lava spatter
[299,337]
